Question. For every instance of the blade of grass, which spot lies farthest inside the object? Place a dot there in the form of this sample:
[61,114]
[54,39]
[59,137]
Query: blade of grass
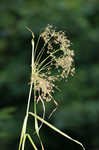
[23,131]
[31,141]
[23,144]
[57,130]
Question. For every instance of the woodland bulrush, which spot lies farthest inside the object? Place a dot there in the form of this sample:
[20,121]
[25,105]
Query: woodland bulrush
[55,54]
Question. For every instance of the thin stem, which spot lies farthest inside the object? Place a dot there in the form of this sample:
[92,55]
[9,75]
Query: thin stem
[24,139]
[32,64]
[36,122]
[33,71]
[57,130]
[40,55]
[23,132]
[45,66]
[33,67]
[41,51]
[43,111]
[30,139]
[29,98]
[37,44]
[47,58]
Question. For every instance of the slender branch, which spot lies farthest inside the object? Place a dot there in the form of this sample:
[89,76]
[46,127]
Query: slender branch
[47,58]
[41,51]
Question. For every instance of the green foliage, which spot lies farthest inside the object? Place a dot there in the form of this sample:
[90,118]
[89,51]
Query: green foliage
[7,122]
[78,100]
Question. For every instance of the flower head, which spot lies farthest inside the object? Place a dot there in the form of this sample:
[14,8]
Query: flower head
[54,55]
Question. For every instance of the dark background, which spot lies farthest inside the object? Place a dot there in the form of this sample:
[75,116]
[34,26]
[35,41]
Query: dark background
[78,111]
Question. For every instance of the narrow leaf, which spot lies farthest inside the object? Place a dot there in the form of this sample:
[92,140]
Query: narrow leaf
[57,130]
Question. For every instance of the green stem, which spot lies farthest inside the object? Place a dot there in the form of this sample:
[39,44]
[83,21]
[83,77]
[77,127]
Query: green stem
[36,122]
[30,139]
[29,98]
[57,130]
[33,67]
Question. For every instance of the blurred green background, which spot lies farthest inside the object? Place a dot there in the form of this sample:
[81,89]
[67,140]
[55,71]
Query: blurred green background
[78,111]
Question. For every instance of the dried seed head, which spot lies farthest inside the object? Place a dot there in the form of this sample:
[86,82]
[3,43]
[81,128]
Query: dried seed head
[59,56]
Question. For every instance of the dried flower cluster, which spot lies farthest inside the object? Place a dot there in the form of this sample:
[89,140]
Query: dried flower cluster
[54,61]
[58,56]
